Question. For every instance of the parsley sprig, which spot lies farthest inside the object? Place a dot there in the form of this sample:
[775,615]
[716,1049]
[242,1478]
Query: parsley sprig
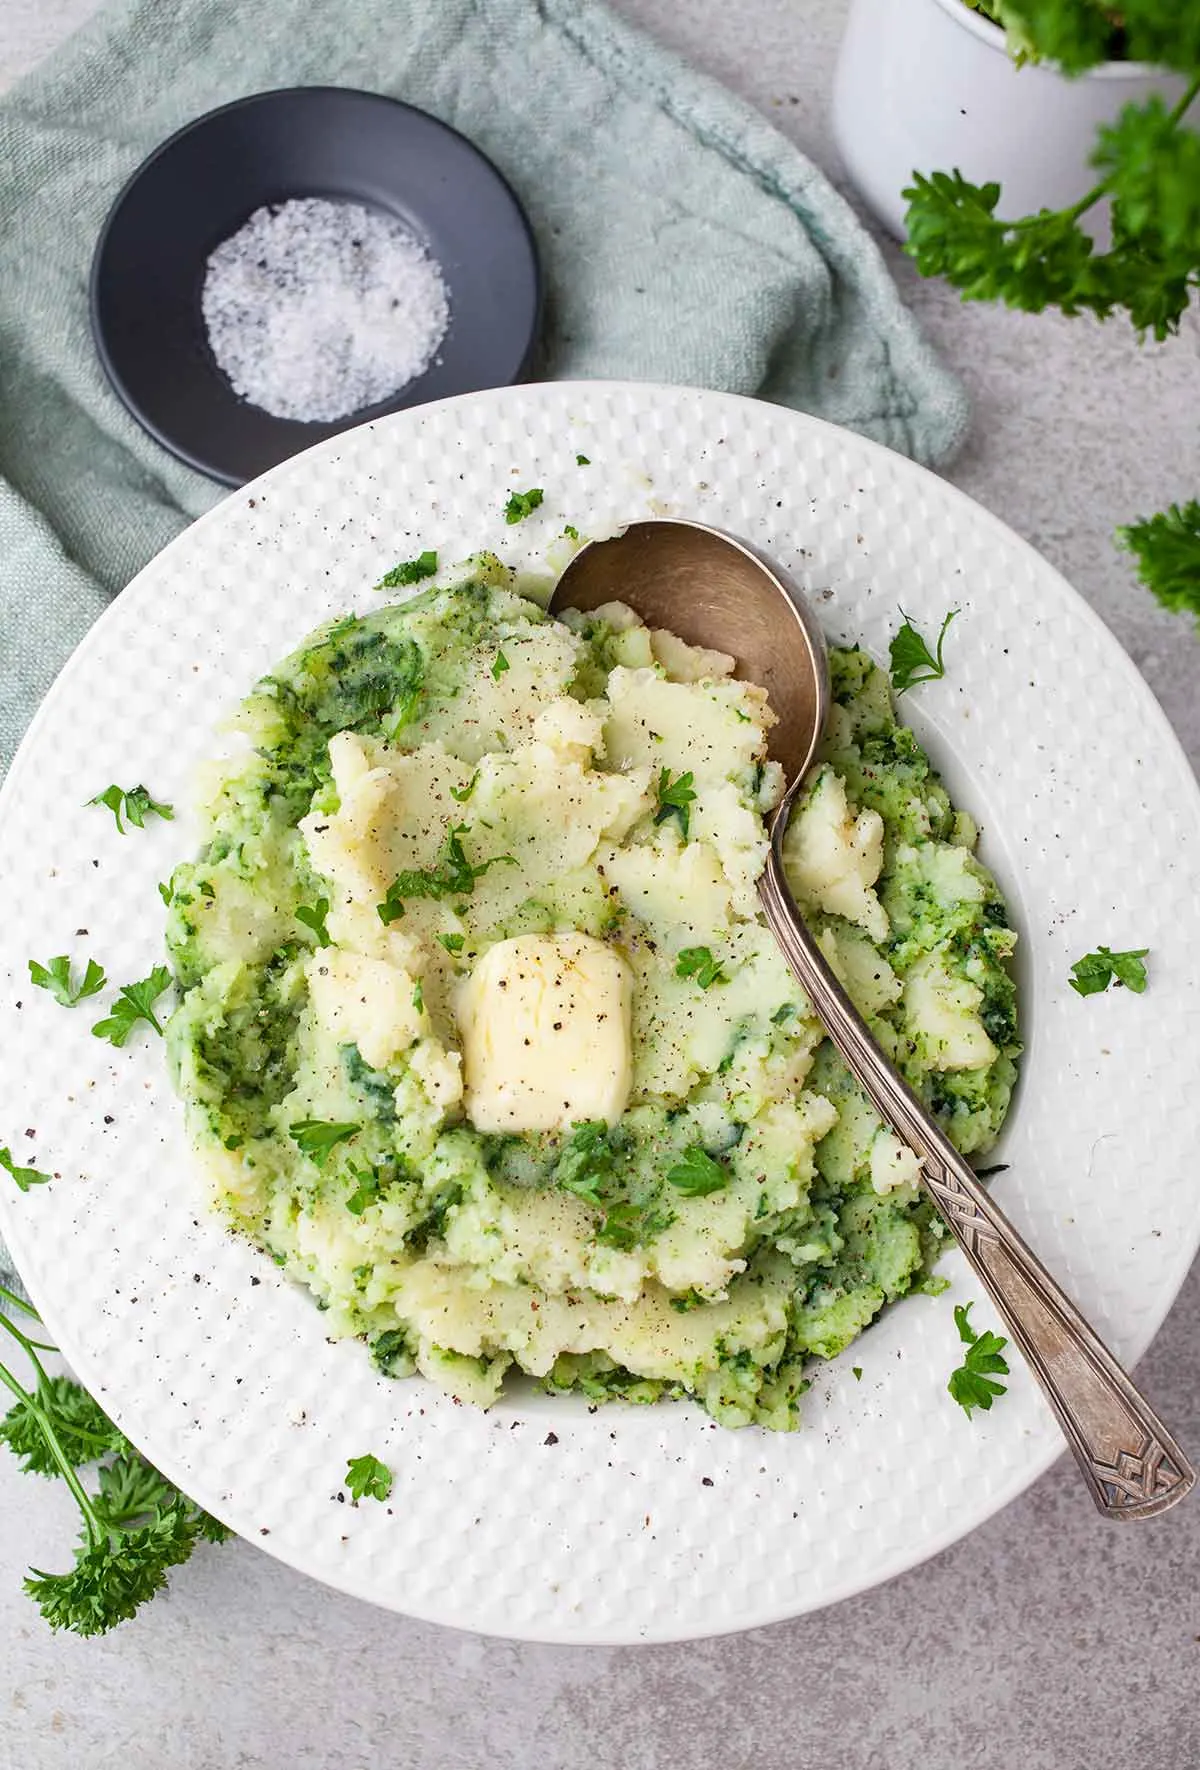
[1148,167]
[56,977]
[455,876]
[135,1002]
[1150,171]
[1091,975]
[134,802]
[973,1384]
[911,659]
[136,1525]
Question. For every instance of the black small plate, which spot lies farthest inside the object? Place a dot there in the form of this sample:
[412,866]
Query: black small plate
[308,141]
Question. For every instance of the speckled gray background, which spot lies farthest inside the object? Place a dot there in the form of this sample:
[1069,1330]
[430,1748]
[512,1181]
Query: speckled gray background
[1047,1641]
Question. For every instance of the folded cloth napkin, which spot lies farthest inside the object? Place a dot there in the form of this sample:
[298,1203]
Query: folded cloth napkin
[682,238]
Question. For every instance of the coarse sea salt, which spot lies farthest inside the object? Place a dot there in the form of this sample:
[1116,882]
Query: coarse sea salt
[315,309]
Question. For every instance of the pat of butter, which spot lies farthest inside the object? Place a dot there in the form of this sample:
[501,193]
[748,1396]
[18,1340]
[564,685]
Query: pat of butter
[545,1027]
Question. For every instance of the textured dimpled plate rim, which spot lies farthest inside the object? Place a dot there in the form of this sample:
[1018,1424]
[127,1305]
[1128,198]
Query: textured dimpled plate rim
[541,1520]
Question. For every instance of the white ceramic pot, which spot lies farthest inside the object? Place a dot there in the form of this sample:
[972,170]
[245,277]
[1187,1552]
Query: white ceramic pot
[925,85]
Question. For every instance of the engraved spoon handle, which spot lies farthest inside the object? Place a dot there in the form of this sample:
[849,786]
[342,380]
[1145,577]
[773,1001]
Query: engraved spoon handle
[1132,1465]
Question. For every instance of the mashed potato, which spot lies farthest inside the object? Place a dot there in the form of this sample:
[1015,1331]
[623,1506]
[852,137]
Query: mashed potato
[481,1034]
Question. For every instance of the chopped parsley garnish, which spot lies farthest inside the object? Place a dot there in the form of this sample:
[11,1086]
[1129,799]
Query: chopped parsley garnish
[56,977]
[522,504]
[912,661]
[455,877]
[24,1177]
[627,1225]
[453,943]
[318,1138]
[571,532]
[135,1002]
[134,802]
[582,461]
[389,1349]
[366,1188]
[587,1161]
[675,798]
[409,571]
[500,666]
[1091,975]
[368,1479]
[698,962]
[695,1174]
[418,998]
[856,1371]
[313,916]
[974,1384]
[461,794]
[165,892]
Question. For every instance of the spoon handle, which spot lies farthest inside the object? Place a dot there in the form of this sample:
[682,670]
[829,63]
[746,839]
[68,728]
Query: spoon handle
[1132,1465]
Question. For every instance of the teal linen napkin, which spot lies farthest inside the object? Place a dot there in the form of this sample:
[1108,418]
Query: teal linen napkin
[683,239]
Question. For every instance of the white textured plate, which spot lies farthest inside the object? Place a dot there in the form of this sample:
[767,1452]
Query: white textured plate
[541,1519]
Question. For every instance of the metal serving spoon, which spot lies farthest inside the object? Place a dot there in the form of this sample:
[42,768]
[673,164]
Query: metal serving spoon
[713,590]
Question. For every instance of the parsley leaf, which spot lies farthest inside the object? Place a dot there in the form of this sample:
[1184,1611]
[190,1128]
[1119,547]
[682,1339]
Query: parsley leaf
[582,461]
[698,962]
[1167,549]
[318,1138]
[455,877]
[973,1384]
[368,1478]
[24,1177]
[696,1174]
[453,943]
[500,666]
[461,794]
[675,798]
[366,1189]
[313,916]
[56,977]
[571,532]
[136,804]
[135,1002]
[409,571]
[1092,974]
[911,659]
[522,504]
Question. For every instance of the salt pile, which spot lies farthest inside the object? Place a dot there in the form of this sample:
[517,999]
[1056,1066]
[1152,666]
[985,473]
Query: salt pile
[315,309]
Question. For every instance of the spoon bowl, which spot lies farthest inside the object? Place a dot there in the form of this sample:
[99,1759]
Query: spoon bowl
[712,590]
[718,592]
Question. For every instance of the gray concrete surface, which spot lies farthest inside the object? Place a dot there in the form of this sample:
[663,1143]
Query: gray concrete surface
[1047,1640]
